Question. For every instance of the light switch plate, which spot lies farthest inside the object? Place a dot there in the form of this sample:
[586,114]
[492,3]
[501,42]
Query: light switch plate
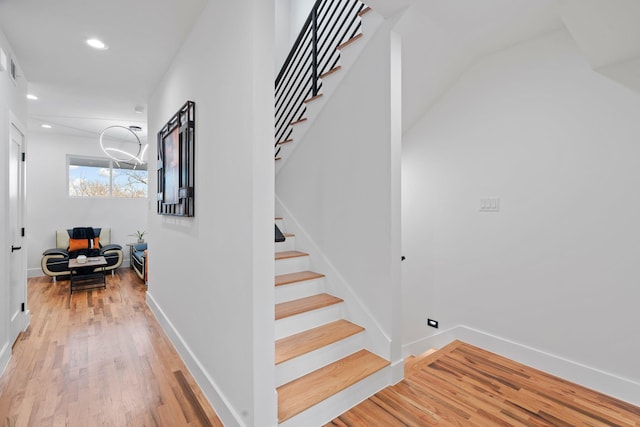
[490,204]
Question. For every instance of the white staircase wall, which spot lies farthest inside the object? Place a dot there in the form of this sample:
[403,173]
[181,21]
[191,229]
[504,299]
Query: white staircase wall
[289,244]
[308,320]
[302,365]
[339,191]
[292,265]
[298,290]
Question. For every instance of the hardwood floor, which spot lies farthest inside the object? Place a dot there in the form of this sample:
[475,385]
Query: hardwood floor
[97,358]
[462,385]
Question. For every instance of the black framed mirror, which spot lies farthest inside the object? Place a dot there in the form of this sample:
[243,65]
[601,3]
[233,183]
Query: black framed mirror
[176,158]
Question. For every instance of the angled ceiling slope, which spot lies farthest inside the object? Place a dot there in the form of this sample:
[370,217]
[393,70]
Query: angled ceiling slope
[608,33]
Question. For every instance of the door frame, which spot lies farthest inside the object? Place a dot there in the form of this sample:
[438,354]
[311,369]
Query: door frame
[23,317]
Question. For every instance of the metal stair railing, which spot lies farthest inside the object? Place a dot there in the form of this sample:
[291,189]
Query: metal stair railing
[330,24]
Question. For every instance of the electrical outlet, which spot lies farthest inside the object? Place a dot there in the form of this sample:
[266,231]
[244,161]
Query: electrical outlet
[432,323]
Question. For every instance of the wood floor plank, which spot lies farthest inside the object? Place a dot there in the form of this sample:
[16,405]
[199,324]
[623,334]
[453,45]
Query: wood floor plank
[304,392]
[411,361]
[302,305]
[463,385]
[312,339]
[97,358]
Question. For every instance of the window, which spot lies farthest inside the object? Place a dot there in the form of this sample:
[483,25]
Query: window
[96,177]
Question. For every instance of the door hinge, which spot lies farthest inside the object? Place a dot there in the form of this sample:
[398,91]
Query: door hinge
[22,307]
[22,231]
[24,156]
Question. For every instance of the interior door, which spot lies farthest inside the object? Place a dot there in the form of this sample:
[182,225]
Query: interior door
[17,274]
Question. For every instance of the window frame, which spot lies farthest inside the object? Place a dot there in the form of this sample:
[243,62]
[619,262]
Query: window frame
[112,165]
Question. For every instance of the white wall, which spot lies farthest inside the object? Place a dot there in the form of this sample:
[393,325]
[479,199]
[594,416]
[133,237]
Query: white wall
[49,207]
[12,102]
[211,276]
[340,183]
[290,15]
[557,268]
[281,31]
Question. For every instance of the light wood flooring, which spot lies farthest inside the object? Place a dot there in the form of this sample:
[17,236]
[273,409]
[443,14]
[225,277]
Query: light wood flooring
[97,358]
[462,385]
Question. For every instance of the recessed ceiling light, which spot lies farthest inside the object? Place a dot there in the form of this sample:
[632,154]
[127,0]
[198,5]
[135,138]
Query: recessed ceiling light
[46,126]
[31,96]
[97,44]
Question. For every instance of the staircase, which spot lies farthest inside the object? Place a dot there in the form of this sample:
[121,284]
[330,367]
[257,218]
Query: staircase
[315,56]
[322,365]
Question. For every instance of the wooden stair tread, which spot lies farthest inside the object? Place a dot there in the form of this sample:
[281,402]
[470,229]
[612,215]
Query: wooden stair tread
[285,141]
[300,276]
[364,11]
[331,71]
[289,235]
[302,305]
[307,341]
[348,42]
[289,254]
[313,98]
[311,389]
[295,122]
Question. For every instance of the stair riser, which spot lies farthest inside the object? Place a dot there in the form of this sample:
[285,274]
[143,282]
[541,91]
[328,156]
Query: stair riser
[280,224]
[311,319]
[291,265]
[302,365]
[339,403]
[297,290]
[288,245]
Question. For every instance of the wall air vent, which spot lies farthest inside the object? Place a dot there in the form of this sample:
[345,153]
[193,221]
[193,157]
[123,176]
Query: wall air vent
[12,69]
[3,60]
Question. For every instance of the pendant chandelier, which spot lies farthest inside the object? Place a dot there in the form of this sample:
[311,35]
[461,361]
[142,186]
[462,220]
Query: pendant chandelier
[122,145]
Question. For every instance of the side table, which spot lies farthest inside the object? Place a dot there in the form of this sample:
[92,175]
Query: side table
[77,278]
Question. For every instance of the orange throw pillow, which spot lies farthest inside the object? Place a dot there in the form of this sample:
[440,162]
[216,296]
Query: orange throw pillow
[77,244]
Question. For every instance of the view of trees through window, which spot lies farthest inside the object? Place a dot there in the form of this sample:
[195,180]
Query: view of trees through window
[95,177]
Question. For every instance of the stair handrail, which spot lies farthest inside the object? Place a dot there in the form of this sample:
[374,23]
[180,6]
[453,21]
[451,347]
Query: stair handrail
[329,24]
[296,44]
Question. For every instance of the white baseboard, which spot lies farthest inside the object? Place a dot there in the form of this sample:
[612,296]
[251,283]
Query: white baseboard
[5,356]
[211,391]
[397,371]
[604,382]
[34,272]
[5,353]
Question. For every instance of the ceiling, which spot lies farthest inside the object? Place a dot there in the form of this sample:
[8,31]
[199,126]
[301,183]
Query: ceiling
[81,90]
